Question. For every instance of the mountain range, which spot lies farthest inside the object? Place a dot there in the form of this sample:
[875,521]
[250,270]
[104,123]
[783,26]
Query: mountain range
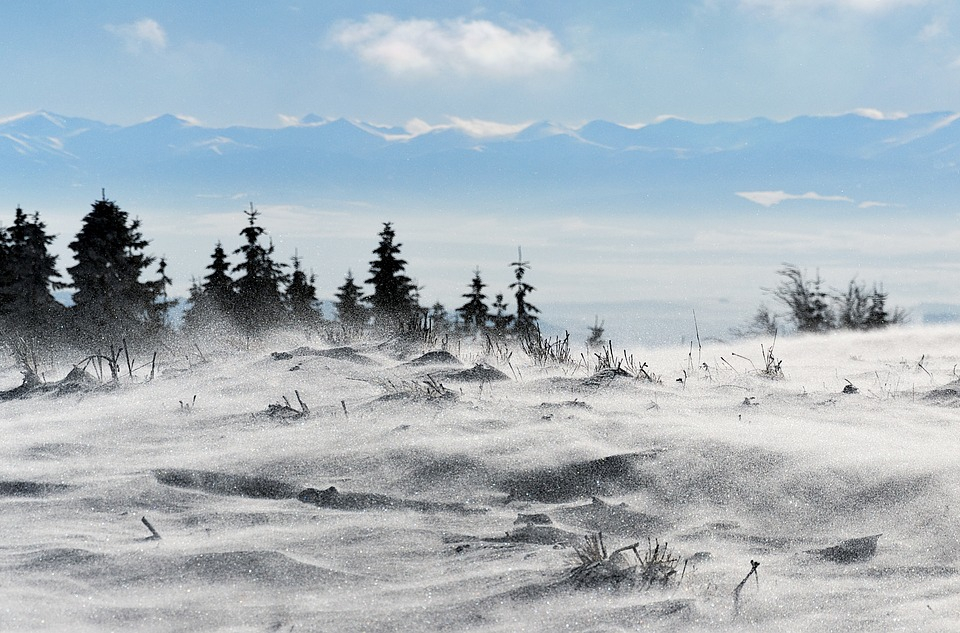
[673,164]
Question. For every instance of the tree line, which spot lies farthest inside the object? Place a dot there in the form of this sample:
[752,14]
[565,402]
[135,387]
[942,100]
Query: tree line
[120,292]
[810,307]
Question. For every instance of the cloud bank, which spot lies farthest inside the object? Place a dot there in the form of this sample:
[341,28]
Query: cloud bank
[145,34]
[463,47]
[771,198]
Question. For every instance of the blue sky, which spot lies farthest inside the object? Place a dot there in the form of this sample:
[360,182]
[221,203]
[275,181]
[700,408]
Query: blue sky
[259,62]
[483,64]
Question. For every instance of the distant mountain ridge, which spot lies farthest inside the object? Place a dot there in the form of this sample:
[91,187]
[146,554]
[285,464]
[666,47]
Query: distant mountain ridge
[912,161]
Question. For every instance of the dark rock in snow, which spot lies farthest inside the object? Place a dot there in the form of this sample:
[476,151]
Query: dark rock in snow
[31,382]
[566,404]
[226,484]
[607,476]
[600,516]
[854,550]
[538,535]
[438,357]
[337,353]
[533,519]
[360,501]
[948,394]
[29,488]
[75,381]
[480,372]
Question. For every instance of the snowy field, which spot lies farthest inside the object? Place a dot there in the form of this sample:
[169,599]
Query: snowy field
[721,462]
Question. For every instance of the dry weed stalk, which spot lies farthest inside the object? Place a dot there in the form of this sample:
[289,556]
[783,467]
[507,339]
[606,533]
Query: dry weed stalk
[609,361]
[497,350]
[772,367]
[285,411]
[26,353]
[736,592]
[428,389]
[546,351]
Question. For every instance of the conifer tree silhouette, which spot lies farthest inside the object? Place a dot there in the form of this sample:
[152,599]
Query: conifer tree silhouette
[501,320]
[526,317]
[259,302]
[301,297]
[393,302]
[474,312]
[6,271]
[351,312]
[213,300]
[28,275]
[111,303]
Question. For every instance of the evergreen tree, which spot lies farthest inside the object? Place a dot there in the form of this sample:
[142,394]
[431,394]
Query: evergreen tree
[301,297]
[596,333]
[877,315]
[474,312]
[526,317]
[501,320]
[29,273]
[213,300]
[805,300]
[393,302]
[6,273]
[351,312]
[259,298]
[853,308]
[110,302]
[437,317]
[218,285]
[162,304]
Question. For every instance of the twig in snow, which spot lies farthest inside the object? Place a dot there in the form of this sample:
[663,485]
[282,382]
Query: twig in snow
[736,592]
[155,536]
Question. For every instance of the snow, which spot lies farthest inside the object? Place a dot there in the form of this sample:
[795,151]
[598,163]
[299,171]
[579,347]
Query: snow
[725,464]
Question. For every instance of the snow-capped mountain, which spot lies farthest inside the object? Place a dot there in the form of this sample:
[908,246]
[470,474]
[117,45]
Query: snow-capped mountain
[909,162]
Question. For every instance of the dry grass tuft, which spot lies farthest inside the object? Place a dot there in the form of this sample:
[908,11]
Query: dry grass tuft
[624,567]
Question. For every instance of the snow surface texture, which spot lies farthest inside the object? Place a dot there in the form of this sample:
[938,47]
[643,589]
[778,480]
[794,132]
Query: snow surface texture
[726,465]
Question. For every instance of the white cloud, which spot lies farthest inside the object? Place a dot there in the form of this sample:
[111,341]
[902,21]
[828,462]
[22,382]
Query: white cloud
[145,34]
[465,47]
[934,30]
[771,198]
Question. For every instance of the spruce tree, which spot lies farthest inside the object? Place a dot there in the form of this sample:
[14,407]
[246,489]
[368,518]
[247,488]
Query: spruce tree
[526,317]
[878,315]
[6,273]
[474,312]
[301,297]
[213,300]
[501,320]
[393,302]
[163,303]
[259,298]
[351,312]
[30,272]
[111,302]
[437,317]
[596,333]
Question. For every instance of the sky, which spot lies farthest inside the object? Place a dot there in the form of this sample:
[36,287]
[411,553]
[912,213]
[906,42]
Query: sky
[489,66]
[265,63]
